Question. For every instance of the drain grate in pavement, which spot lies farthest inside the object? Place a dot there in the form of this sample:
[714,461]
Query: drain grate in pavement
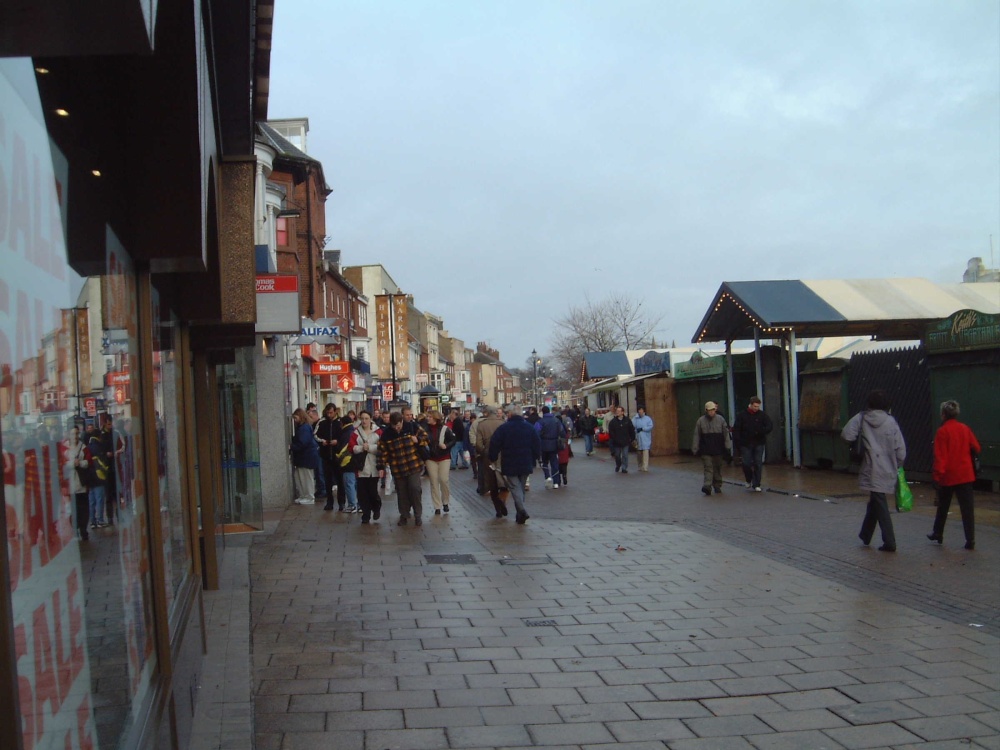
[539,623]
[450,559]
[526,560]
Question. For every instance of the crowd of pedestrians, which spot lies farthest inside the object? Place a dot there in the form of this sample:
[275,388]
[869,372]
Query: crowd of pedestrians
[356,458]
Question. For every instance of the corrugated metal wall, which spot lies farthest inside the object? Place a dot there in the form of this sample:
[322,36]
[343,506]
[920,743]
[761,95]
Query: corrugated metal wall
[905,376]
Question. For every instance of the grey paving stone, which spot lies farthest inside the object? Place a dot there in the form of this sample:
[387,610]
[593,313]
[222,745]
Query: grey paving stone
[753,685]
[507,680]
[818,680]
[325,702]
[751,704]
[400,739]
[597,712]
[633,676]
[727,726]
[666,730]
[696,689]
[430,682]
[473,697]
[312,741]
[616,694]
[948,728]
[872,735]
[804,740]
[712,743]
[544,696]
[505,736]
[794,721]
[498,715]
[290,722]
[944,705]
[875,712]
[398,699]
[882,691]
[570,734]
[443,717]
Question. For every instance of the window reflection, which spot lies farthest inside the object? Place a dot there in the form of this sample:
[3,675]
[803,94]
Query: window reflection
[74,492]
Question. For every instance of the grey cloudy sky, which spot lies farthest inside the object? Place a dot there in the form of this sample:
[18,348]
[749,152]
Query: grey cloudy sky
[504,159]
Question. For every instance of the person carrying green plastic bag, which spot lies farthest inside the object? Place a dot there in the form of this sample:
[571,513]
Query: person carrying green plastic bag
[904,495]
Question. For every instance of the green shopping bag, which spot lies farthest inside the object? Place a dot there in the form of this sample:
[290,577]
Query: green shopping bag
[904,496]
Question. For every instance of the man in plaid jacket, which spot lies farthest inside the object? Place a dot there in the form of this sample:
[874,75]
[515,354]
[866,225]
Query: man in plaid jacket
[401,453]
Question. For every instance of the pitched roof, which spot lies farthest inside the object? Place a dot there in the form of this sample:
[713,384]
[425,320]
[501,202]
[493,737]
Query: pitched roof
[882,308]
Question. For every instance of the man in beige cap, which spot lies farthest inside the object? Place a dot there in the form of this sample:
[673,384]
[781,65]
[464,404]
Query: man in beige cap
[711,442]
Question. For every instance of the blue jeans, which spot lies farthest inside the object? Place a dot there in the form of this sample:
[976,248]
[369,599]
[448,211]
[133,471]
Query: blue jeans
[457,453]
[516,486]
[753,461]
[588,442]
[550,465]
[96,504]
[620,452]
[351,488]
[320,483]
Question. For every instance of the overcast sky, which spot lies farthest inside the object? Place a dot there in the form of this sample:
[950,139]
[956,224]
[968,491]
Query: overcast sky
[504,159]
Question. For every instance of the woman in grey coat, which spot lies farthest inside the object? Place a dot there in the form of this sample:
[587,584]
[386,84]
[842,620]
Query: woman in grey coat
[883,454]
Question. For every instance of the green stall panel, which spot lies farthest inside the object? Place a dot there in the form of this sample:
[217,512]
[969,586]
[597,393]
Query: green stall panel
[974,386]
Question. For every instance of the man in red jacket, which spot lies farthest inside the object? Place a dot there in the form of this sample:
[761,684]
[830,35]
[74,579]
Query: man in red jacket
[954,446]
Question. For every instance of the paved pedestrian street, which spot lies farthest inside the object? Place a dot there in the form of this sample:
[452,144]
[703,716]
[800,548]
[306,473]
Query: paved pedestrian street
[629,612]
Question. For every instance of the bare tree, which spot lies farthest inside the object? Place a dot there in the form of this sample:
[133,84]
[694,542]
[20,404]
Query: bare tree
[616,322]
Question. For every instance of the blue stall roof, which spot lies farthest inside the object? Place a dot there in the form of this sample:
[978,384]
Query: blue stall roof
[888,309]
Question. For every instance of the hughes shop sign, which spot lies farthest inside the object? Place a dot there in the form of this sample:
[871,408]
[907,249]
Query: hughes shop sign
[319,331]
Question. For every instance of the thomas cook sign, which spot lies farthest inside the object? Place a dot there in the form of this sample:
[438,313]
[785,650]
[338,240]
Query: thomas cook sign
[319,331]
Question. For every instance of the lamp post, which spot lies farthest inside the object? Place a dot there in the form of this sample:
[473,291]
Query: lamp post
[534,381]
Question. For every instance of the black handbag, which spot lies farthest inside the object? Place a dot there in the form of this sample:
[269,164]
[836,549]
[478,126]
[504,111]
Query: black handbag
[857,447]
[977,466]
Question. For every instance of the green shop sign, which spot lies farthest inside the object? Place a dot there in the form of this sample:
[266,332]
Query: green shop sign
[700,366]
[963,331]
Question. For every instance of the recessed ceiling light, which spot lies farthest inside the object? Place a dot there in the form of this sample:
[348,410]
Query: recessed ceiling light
[41,71]
[62,113]
[95,172]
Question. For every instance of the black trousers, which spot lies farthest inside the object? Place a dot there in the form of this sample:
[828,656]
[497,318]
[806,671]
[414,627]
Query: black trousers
[82,503]
[489,480]
[334,476]
[963,492]
[368,497]
[877,513]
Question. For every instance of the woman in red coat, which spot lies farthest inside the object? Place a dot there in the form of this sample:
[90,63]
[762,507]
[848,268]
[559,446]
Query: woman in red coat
[954,445]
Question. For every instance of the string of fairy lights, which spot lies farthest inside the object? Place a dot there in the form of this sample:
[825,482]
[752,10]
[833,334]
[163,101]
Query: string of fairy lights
[727,297]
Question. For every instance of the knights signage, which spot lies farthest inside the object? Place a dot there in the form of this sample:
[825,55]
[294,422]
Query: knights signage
[963,331]
[319,331]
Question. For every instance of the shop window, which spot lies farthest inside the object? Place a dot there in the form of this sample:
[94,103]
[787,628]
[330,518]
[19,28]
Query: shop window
[74,480]
[281,232]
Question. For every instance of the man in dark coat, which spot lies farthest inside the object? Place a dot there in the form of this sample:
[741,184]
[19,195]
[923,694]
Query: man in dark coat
[621,433]
[711,441]
[516,445]
[551,430]
[750,431]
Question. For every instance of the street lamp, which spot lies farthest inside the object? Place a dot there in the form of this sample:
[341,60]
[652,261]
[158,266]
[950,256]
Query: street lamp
[534,382]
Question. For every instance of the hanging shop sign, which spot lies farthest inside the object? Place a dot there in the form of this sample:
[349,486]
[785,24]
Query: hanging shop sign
[345,383]
[652,362]
[964,331]
[278,304]
[337,367]
[391,335]
[319,331]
